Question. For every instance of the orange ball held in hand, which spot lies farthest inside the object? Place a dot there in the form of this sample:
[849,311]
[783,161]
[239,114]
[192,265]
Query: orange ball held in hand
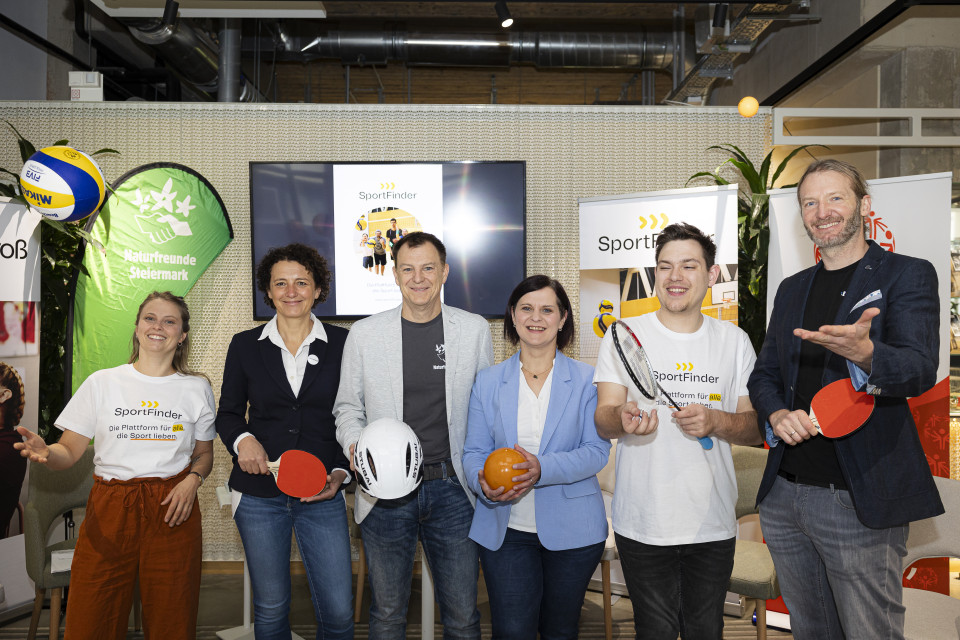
[498,469]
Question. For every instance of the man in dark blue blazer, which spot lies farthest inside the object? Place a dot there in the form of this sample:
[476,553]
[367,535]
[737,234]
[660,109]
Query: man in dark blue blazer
[835,513]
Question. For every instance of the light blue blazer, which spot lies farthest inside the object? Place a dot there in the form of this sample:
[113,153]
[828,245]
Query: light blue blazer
[569,505]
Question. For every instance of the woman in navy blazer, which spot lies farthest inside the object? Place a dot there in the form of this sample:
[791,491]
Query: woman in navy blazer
[542,540]
[279,384]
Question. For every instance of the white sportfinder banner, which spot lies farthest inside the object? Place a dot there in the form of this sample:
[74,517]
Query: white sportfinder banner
[910,215]
[620,231]
[365,198]
[618,236]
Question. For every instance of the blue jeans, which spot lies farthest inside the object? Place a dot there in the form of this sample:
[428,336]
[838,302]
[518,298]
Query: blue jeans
[534,589]
[679,589]
[839,578]
[265,525]
[440,514]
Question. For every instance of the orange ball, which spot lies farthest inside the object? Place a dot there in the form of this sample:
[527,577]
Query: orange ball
[748,107]
[498,469]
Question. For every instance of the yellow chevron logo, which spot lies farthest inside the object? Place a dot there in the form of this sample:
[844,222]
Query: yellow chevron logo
[153,404]
[684,366]
[653,222]
[388,186]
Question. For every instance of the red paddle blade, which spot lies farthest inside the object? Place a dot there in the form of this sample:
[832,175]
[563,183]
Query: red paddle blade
[838,409]
[300,474]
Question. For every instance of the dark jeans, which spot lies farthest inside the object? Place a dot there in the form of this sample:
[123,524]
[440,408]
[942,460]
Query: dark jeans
[439,514]
[323,537]
[534,589]
[677,589]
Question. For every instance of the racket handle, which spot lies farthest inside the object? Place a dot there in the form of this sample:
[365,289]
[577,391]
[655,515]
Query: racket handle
[706,443]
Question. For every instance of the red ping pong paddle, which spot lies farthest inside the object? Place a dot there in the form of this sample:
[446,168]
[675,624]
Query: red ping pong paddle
[298,474]
[838,409]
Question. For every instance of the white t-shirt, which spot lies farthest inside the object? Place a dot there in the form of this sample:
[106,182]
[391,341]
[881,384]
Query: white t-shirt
[669,489]
[142,426]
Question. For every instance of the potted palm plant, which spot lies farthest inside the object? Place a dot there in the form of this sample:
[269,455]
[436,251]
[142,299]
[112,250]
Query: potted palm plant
[61,247]
[753,226]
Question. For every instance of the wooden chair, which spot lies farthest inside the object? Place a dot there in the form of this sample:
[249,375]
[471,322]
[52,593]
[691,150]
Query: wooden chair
[608,479]
[754,576]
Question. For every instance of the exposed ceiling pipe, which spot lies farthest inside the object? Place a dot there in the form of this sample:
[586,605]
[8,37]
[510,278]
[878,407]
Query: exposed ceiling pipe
[722,51]
[184,48]
[228,88]
[633,50]
[190,53]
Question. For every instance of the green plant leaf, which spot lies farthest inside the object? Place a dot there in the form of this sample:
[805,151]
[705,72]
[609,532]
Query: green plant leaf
[8,191]
[61,143]
[783,163]
[733,150]
[26,148]
[104,150]
[15,176]
[707,174]
[765,171]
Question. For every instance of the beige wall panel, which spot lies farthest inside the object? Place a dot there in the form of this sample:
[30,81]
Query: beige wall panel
[571,152]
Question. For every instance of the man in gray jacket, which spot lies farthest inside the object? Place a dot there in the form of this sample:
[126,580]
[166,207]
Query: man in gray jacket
[417,363]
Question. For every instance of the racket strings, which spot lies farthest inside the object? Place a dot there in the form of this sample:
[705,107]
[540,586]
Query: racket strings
[637,361]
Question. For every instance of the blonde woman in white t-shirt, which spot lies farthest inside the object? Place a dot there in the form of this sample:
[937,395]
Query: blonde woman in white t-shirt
[152,422]
[540,541]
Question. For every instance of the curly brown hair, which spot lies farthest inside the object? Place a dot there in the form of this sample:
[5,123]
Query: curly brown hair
[308,257]
[12,410]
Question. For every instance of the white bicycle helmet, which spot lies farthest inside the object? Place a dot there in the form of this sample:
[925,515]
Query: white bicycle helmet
[388,459]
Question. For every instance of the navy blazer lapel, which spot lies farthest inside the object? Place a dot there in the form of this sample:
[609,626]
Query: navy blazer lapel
[860,284]
[273,363]
[560,393]
[318,348]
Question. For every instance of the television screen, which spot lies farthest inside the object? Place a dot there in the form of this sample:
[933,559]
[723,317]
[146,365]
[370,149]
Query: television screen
[350,211]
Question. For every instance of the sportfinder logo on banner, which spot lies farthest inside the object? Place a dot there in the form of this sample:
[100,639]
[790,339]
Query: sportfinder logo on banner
[618,236]
[166,225]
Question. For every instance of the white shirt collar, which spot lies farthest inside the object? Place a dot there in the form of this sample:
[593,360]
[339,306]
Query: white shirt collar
[271,332]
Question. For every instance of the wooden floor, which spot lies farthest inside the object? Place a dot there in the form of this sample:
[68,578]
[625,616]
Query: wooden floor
[221,608]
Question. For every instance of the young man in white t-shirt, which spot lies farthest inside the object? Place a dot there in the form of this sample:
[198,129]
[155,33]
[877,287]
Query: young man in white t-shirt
[673,506]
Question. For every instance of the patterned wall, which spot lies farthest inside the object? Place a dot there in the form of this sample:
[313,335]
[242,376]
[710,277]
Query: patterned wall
[571,152]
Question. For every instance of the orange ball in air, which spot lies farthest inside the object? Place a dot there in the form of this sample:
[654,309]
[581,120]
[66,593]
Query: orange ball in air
[499,471]
[748,107]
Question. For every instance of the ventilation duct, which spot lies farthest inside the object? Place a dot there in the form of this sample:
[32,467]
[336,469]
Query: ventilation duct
[634,50]
[189,52]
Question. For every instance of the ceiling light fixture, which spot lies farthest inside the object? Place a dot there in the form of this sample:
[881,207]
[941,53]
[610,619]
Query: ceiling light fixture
[506,20]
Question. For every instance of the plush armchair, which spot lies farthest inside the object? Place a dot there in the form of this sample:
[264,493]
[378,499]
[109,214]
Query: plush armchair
[931,615]
[753,576]
[51,493]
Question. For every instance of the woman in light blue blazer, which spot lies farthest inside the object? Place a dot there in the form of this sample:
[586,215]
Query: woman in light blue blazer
[541,541]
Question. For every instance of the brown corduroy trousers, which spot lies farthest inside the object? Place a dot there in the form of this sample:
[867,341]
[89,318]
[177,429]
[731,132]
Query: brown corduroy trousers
[123,537]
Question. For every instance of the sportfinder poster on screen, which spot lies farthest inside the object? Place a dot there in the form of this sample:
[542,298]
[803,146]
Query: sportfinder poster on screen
[367,198]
